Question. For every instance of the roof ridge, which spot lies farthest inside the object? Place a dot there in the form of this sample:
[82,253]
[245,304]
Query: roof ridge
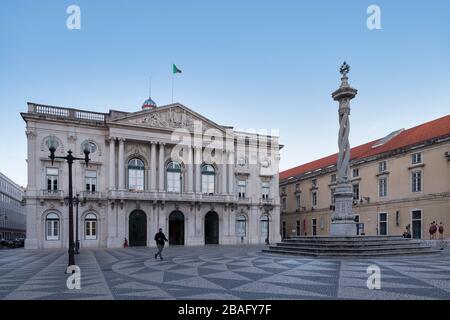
[422,132]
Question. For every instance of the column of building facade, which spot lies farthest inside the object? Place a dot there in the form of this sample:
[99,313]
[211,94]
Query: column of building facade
[161,166]
[112,163]
[224,172]
[121,164]
[197,164]
[190,167]
[32,220]
[231,184]
[153,167]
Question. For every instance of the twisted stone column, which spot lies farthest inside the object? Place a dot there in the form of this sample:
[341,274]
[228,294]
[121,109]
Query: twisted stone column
[343,142]
[343,223]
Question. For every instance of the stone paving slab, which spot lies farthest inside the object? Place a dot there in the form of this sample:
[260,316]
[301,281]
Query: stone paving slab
[217,272]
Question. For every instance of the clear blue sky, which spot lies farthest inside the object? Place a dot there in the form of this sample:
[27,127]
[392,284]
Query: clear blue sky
[250,64]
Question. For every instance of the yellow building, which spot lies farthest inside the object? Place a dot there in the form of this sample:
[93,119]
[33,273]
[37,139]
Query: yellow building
[400,180]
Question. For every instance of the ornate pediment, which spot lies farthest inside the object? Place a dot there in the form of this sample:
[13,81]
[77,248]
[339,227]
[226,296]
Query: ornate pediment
[169,117]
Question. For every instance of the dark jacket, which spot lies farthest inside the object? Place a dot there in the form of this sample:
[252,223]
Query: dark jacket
[160,238]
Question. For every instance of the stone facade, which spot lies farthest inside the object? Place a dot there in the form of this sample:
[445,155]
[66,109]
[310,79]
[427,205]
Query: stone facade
[163,167]
[393,188]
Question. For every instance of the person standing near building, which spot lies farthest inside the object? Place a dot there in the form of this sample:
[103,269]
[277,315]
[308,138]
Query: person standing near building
[441,231]
[160,239]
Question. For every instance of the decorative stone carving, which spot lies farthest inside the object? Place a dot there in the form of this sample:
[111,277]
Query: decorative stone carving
[173,118]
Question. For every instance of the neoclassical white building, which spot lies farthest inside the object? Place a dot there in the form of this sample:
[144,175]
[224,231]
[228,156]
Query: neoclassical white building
[161,167]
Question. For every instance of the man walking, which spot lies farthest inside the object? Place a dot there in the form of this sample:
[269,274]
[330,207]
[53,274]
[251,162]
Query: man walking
[160,239]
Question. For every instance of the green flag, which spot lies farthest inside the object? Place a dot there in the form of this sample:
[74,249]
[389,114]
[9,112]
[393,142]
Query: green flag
[176,70]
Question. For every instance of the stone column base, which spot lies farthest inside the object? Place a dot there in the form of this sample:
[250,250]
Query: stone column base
[343,228]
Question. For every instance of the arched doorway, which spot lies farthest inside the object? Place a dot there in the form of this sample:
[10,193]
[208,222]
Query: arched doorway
[176,228]
[211,228]
[138,228]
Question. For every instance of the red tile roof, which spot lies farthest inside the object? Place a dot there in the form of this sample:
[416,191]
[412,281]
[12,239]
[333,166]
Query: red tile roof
[427,131]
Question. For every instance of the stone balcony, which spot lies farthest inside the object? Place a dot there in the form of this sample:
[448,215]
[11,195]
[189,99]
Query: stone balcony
[51,195]
[170,196]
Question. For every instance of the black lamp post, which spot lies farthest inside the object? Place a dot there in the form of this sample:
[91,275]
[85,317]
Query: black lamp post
[76,201]
[52,145]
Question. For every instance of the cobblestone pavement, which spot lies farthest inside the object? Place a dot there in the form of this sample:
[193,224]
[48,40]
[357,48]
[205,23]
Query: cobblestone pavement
[218,272]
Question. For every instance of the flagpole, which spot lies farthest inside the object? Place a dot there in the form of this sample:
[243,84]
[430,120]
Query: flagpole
[172,85]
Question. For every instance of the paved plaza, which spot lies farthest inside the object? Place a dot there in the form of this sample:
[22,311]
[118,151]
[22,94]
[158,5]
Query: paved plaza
[218,272]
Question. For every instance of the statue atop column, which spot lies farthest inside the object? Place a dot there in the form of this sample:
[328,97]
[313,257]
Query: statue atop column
[343,219]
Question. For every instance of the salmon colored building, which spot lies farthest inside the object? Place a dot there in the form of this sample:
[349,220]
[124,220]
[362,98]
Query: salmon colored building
[399,181]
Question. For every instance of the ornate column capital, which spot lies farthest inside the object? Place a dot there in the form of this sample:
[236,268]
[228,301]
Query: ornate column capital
[31,134]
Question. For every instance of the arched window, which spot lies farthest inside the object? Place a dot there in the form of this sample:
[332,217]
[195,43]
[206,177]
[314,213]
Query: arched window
[90,227]
[52,226]
[264,221]
[241,226]
[173,176]
[136,171]
[208,179]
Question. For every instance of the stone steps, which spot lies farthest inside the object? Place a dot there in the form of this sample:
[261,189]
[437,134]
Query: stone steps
[351,246]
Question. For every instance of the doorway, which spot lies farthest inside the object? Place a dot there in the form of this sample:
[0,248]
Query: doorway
[314,227]
[383,224]
[176,228]
[138,229]
[416,224]
[211,228]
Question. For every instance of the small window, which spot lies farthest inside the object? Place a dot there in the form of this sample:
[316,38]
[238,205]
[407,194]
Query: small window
[382,166]
[355,173]
[416,158]
[91,180]
[299,201]
[314,183]
[52,226]
[416,181]
[356,192]
[90,230]
[332,191]
[242,188]
[52,179]
[333,178]
[265,190]
[314,199]
[382,187]
[283,204]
